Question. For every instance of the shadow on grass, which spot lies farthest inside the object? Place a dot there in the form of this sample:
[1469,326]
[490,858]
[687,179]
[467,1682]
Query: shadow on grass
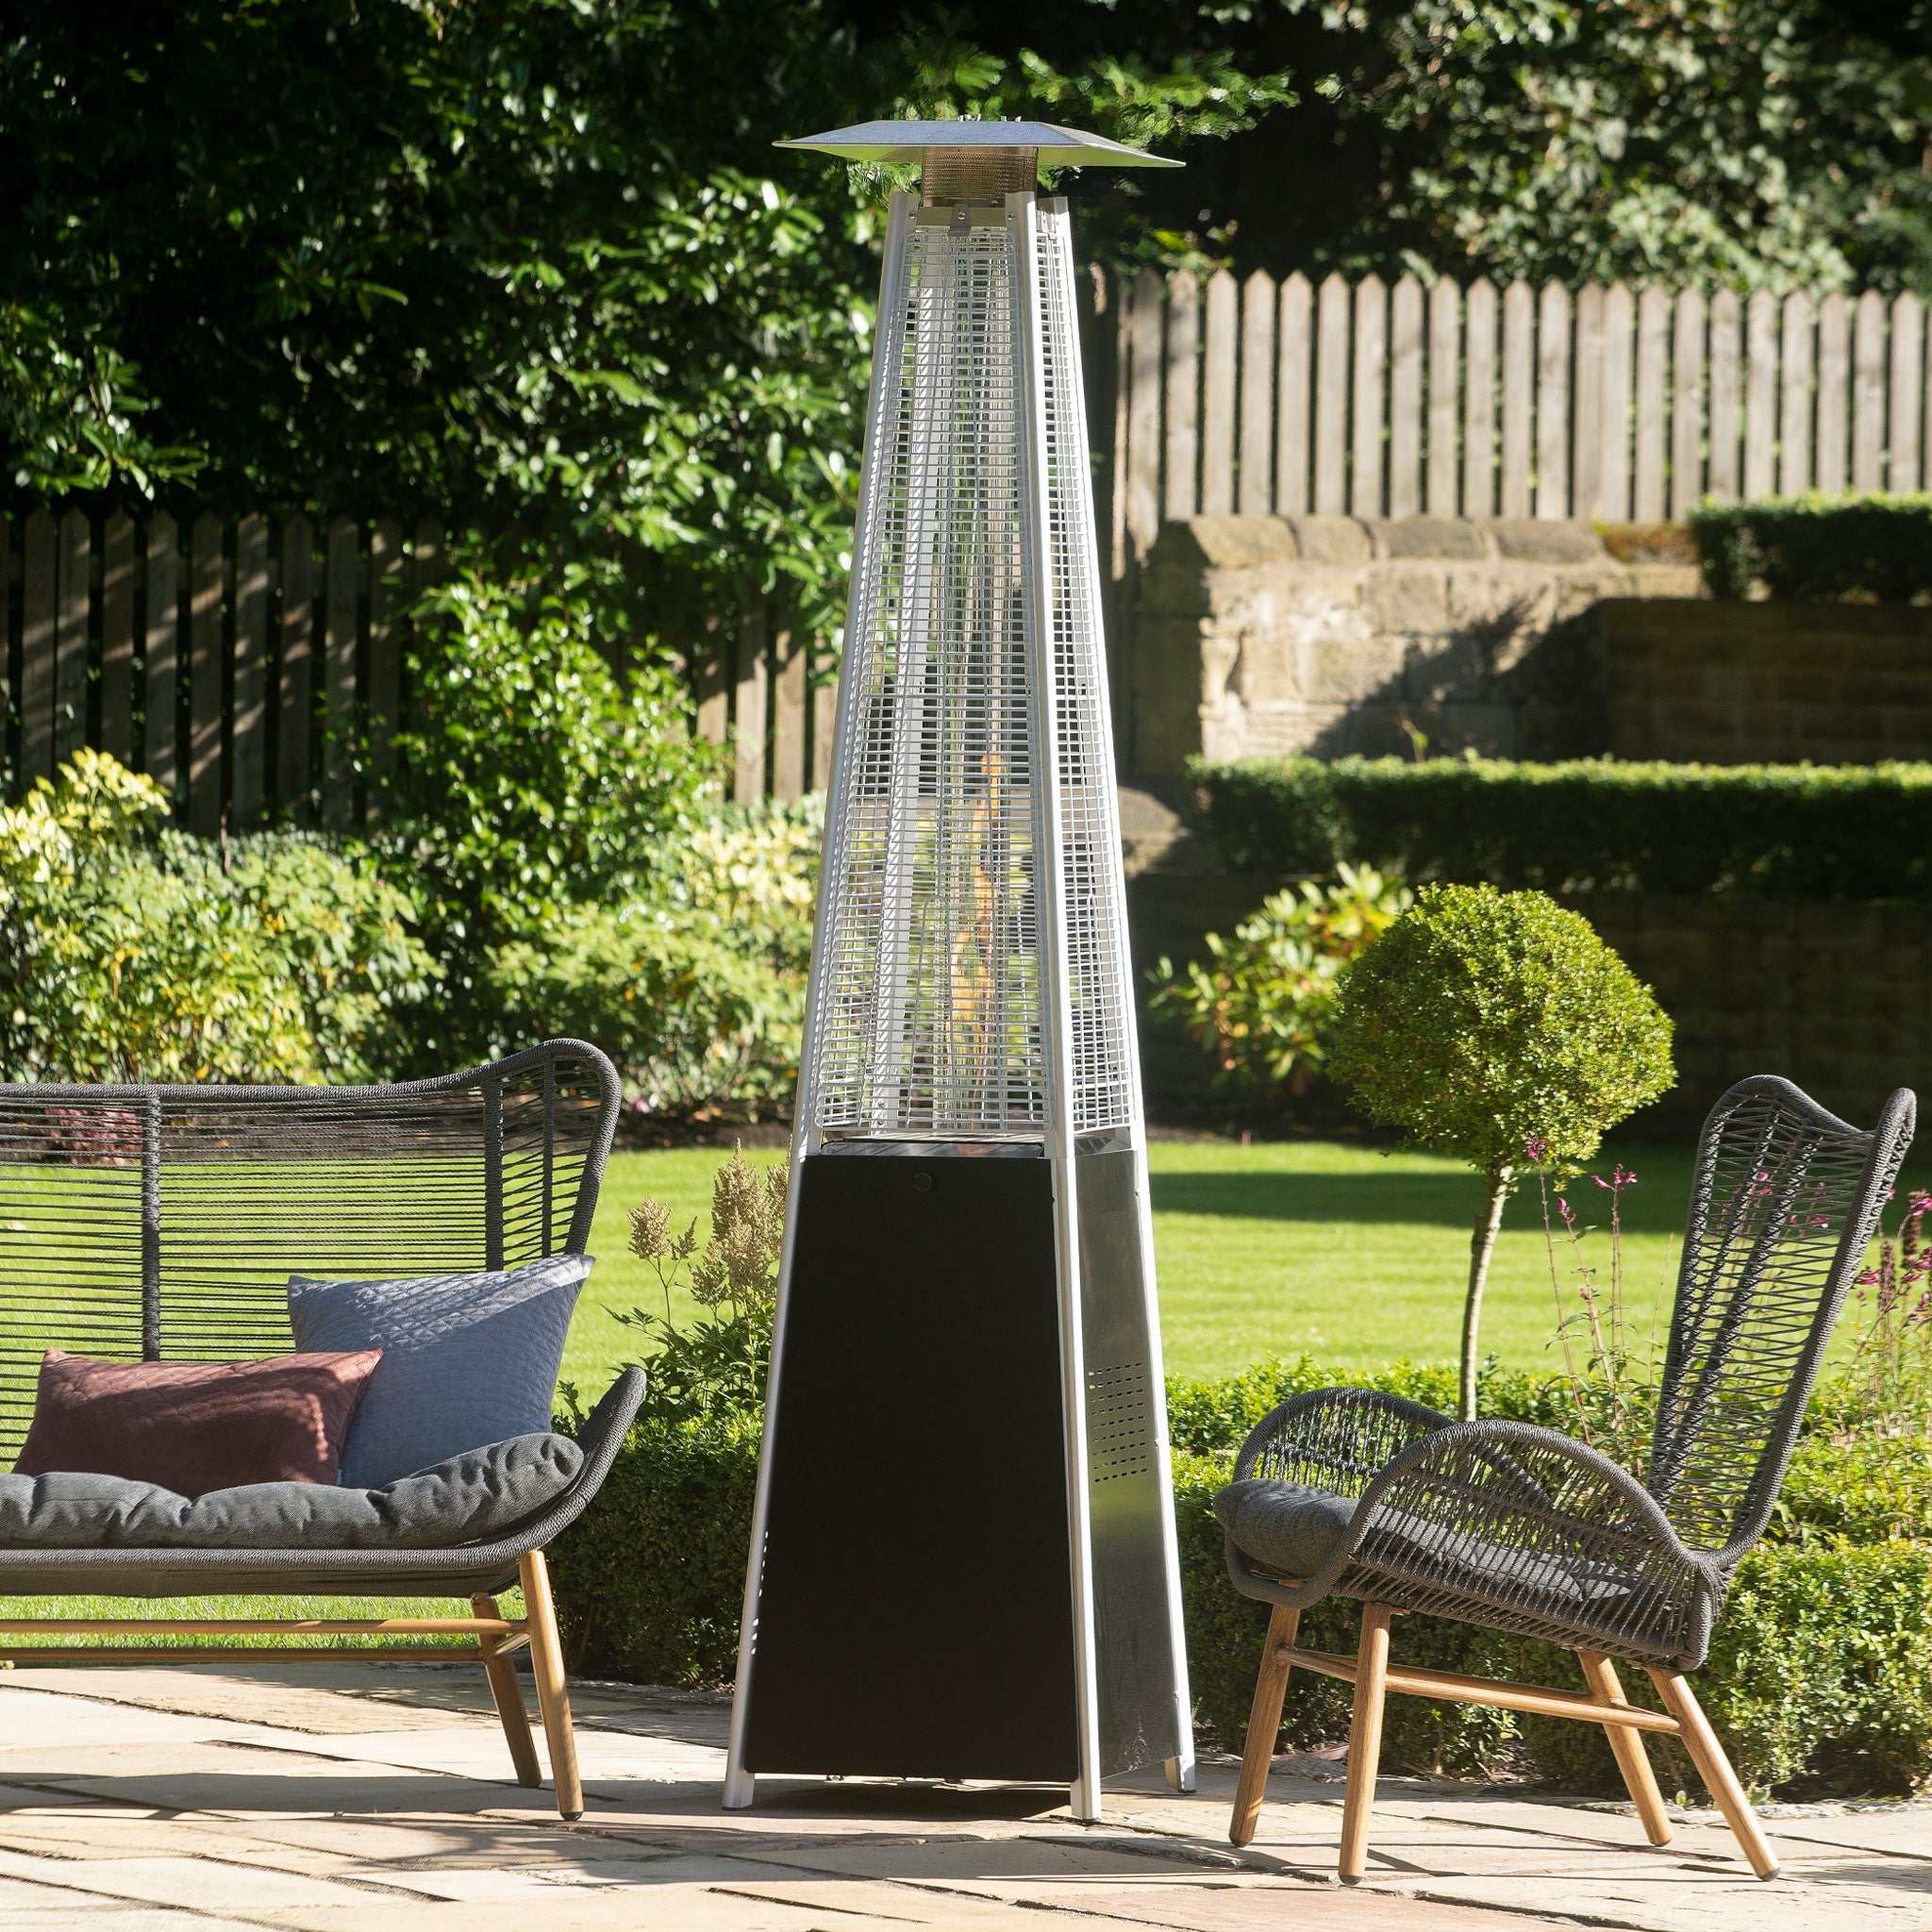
[1656,1206]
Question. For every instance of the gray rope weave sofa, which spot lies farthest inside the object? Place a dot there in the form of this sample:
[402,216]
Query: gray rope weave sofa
[162,1222]
[1351,1492]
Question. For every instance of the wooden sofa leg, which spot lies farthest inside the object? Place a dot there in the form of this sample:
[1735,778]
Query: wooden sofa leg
[1264,1722]
[508,1693]
[1633,1760]
[553,1697]
[1714,1768]
[1364,1739]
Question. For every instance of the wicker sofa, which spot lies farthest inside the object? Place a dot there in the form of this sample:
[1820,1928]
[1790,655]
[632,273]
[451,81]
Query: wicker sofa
[163,1223]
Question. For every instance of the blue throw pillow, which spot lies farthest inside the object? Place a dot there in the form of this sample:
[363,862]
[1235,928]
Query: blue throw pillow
[467,1360]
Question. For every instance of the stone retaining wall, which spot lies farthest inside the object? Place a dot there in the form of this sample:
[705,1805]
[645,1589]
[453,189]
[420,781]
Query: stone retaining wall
[1835,996]
[1261,636]
[1840,684]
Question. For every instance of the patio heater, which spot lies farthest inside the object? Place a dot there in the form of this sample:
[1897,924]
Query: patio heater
[962,1561]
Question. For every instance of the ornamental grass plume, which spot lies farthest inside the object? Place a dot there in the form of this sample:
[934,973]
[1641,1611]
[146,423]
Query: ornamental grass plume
[1483,1021]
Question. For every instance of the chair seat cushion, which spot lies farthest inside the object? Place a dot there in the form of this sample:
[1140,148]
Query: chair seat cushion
[474,1497]
[1292,1529]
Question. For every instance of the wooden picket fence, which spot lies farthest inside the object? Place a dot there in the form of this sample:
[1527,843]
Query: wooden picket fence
[1620,405]
[254,669]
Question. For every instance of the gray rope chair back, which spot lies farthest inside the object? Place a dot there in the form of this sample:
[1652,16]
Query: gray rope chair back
[1785,1200]
[150,1221]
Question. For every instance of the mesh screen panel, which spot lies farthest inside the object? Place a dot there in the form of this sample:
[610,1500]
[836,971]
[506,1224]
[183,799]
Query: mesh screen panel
[928,981]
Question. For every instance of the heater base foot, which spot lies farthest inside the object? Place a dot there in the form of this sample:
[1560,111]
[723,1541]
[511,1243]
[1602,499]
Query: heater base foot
[1180,1774]
[739,1789]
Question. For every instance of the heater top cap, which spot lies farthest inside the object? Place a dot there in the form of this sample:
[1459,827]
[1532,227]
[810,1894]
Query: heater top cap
[910,141]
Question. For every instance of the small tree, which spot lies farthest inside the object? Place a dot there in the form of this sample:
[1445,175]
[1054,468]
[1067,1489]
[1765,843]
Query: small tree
[1498,1028]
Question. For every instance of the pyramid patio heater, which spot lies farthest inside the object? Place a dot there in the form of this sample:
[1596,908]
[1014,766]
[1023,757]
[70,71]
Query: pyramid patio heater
[963,1559]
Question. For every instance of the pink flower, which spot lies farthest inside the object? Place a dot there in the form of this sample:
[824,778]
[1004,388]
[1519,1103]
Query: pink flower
[1535,1149]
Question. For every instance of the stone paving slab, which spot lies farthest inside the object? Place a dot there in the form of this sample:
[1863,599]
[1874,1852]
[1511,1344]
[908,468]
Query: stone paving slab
[346,1797]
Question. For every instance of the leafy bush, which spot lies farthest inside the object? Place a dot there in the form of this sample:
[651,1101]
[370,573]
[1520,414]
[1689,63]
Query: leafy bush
[1869,549]
[1262,1007]
[1822,1667]
[1587,824]
[697,992]
[137,955]
[535,779]
[1497,1027]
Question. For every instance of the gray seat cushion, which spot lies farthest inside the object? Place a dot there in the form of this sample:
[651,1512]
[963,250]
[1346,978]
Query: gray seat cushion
[466,1358]
[1292,1529]
[470,1498]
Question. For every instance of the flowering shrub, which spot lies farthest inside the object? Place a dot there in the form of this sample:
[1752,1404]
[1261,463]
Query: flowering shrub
[1260,1004]
[136,953]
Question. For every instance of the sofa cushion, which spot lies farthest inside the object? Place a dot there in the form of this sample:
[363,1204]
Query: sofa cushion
[466,1358]
[195,1427]
[474,1497]
[1286,1528]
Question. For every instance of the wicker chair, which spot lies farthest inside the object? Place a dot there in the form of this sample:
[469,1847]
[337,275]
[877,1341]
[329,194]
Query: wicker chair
[1523,1529]
[163,1223]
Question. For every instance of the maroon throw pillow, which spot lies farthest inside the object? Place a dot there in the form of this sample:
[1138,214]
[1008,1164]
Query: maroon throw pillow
[196,1426]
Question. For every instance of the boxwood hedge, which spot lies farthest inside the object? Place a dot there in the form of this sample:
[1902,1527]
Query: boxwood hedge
[1821,1671]
[1871,549]
[1587,824]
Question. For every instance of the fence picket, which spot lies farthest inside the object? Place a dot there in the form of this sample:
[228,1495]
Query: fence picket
[1294,368]
[1552,403]
[1445,359]
[295,677]
[1256,498]
[1331,398]
[824,731]
[749,719]
[160,654]
[1143,414]
[1217,396]
[1368,454]
[117,639]
[1587,463]
[1620,348]
[1868,392]
[1519,395]
[1183,395]
[249,731]
[788,655]
[1406,399]
[1653,363]
[1761,394]
[70,638]
[340,595]
[39,615]
[1908,370]
[1833,391]
[1479,400]
[1687,404]
[1727,318]
[205,574]
[1794,417]
[383,699]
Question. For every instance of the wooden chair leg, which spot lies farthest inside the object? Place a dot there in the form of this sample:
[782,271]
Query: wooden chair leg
[553,1697]
[1264,1720]
[1714,1768]
[508,1693]
[1364,1739]
[1633,1760]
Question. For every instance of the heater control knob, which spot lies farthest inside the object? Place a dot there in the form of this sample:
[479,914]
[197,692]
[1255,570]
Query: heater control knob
[922,1183]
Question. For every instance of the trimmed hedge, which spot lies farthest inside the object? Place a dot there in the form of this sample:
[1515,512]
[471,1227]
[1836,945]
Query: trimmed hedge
[1822,1664]
[1873,549]
[1587,824]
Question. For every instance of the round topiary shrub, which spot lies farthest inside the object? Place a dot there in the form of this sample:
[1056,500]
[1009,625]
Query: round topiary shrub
[1497,1027]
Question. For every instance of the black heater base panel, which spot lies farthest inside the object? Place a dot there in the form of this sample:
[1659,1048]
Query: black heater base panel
[915,1616]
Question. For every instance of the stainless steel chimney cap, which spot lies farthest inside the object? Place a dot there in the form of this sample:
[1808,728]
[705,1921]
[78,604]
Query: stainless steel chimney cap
[906,141]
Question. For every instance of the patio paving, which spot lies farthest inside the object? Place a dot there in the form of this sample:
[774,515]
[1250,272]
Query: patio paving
[376,1798]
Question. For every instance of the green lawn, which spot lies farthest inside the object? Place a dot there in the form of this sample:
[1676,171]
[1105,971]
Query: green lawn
[1356,1256]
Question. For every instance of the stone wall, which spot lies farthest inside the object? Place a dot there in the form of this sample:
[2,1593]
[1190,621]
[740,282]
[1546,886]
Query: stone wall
[1261,636]
[1835,996]
[1743,683]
